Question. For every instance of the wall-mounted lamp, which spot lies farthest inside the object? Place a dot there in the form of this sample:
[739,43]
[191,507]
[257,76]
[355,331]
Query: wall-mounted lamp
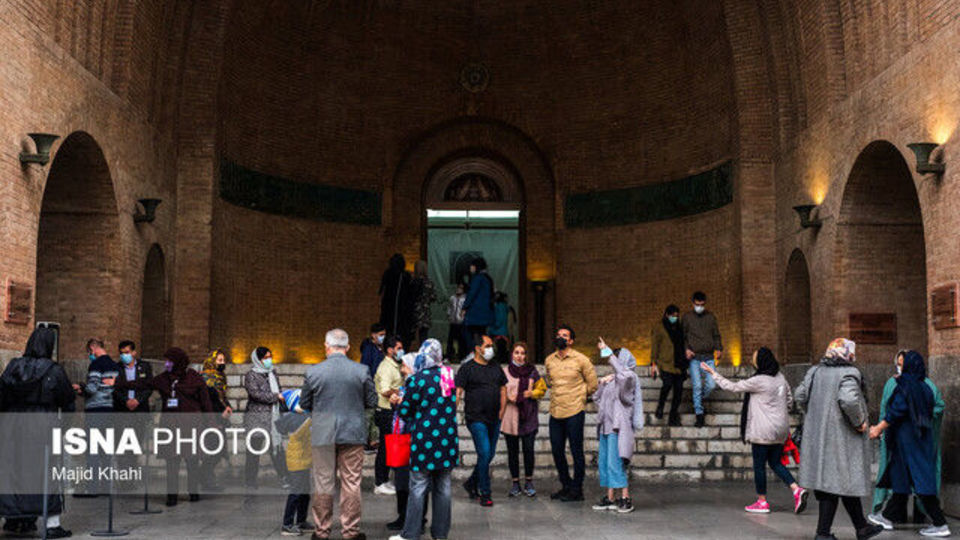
[804,211]
[149,211]
[43,141]
[922,151]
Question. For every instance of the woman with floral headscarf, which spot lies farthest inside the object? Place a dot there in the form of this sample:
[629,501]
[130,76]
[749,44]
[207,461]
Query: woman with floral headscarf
[910,420]
[429,409]
[835,448]
[213,373]
[263,410]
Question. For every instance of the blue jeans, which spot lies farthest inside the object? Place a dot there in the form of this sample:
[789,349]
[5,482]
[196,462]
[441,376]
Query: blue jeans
[438,483]
[762,455]
[485,436]
[703,384]
[613,473]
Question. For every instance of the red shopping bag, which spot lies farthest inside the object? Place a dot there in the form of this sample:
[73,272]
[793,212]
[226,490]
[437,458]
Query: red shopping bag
[398,446]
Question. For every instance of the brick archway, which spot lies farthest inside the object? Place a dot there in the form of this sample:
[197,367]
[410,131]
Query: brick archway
[78,252]
[795,314]
[880,267]
[153,305]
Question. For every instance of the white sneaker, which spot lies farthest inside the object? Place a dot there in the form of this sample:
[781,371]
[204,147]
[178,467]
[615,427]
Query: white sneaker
[393,487]
[933,530]
[397,537]
[878,519]
[385,489]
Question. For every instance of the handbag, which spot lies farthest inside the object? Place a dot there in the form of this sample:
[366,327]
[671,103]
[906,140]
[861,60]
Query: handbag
[398,446]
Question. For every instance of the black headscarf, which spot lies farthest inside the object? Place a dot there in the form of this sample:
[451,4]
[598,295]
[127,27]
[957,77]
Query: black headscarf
[39,347]
[912,383]
[766,365]
[41,343]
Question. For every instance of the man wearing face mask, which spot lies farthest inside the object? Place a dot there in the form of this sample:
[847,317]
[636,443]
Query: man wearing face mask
[98,391]
[388,381]
[133,370]
[371,355]
[483,387]
[701,334]
[571,377]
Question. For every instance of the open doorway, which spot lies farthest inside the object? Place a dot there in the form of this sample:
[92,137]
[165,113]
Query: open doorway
[454,239]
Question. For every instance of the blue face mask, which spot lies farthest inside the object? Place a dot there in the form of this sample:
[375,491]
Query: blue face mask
[126,358]
[673,319]
[268,363]
[399,354]
[92,357]
[605,352]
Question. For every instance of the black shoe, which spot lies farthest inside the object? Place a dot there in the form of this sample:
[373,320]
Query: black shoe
[659,413]
[486,501]
[572,496]
[674,420]
[395,525]
[471,488]
[27,527]
[624,505]
[11,525]
[869,531]
[194,497]
[359,536]
[828,537]
[699,422]
[85,495]
[59,532]
[171,500]
[558,495]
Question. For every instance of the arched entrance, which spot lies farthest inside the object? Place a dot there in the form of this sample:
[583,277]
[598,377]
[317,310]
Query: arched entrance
[795,323]
[153,314]
[77,246]
[881,263]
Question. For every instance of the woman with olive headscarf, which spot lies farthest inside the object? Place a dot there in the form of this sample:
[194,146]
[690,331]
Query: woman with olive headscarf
[911,418]
[263,410]
[182,390]
[765,424]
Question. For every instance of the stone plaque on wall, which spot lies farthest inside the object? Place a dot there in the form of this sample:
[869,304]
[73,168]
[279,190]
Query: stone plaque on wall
[19,303]
[873,328]
[943,305]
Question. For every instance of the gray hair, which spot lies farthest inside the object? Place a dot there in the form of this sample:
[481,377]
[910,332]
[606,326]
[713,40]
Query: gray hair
[337,338]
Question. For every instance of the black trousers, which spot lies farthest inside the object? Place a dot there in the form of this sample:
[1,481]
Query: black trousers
[561,431]
[828,509]
[456,342]
[672,382]
[896,510]
[383,418]
[173,474]
[514,443]
[252,466]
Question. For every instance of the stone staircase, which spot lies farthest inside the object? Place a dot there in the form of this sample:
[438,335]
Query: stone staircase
[663,454]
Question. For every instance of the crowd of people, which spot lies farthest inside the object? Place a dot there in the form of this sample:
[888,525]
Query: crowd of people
[319,432]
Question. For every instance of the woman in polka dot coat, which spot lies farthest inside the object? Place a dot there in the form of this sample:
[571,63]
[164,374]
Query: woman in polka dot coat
[429,409]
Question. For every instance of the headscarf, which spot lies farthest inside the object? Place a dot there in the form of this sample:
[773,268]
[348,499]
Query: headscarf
[213,377]
[429,356]
[256,357]
[675,331]
[766,365]
[841,350]
[36,357]
[180,360]
[625,359]
[41,343]
[524,374]
[912,384]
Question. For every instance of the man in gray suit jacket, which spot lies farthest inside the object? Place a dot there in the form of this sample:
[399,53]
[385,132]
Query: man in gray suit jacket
[337,391]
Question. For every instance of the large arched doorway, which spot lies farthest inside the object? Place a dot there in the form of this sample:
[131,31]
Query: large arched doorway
[153,314]
[795,316]
[77,246]
[881,263]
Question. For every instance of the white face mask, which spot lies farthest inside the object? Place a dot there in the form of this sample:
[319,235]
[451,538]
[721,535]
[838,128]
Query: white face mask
[899,369]
[698,309]
[488,353]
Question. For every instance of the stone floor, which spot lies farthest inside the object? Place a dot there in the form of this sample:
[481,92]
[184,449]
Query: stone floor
[701,511]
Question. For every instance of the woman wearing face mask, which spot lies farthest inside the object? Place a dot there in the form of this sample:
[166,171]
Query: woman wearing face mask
[214,374]
[668,357]
[263,410]
[483,387]
[910,453]
[765,424]
[520,420]
[182,390]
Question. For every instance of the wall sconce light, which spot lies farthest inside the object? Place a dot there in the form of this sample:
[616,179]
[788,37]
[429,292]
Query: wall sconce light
[804,211]
[149,211]
[43,141]
[922,151]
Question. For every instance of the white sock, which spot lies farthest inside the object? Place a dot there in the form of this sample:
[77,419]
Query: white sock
[53,521]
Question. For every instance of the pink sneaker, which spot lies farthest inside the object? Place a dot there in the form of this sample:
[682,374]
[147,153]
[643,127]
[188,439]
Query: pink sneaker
[759,507]
[799,500]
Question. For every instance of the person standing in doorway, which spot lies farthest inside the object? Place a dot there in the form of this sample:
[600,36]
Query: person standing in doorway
[396,300]
[424,295]
[571,377]
[478,306]
[337,391]
[482,386]
[455,336]
[668,357]
[701,334]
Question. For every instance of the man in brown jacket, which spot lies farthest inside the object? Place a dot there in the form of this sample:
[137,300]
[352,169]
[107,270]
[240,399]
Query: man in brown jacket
[571,378]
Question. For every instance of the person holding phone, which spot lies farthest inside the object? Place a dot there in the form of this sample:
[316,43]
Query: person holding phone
[98,395]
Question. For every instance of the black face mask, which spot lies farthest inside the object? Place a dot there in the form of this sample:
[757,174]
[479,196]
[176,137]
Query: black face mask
[221,367]
[560,342]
